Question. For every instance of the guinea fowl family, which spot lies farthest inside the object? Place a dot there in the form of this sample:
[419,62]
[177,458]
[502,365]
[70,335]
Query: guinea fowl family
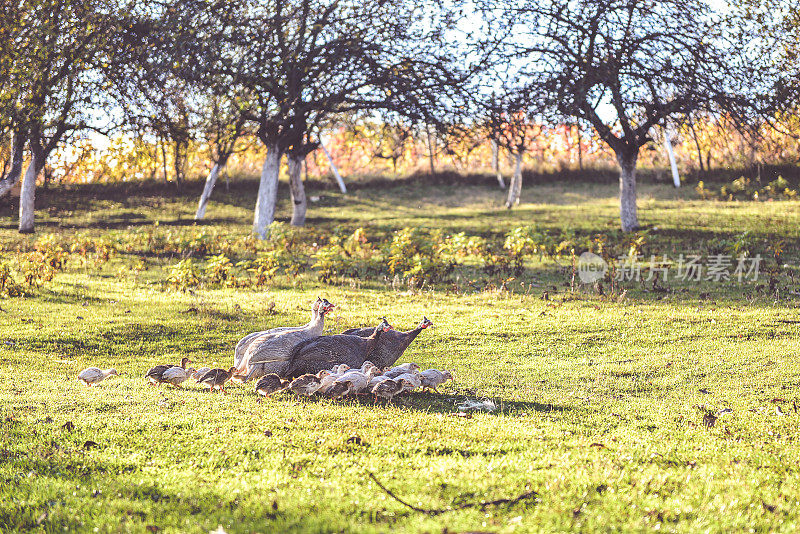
[342,380]
[301,359]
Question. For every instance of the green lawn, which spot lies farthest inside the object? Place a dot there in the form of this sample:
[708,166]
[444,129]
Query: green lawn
[602,397]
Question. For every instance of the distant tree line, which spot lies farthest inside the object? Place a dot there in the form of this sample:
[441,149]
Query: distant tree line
[224,74]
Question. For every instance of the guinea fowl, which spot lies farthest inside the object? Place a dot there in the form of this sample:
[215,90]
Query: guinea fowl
[216,378]
[94,375]
[394,372]
[323,352]
[326,380]
[387,389]
[410,381]
[307,384]
[246,341]
[270,384]
[177,375]
[271,354]
[339,389]
[199,373]
[432,378]
[393,344]
[154,374]
[359,380]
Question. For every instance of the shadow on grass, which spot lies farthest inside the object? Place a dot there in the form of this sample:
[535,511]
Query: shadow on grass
[417,401]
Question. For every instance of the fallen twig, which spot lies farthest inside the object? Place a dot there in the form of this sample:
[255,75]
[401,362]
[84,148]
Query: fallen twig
[482,505]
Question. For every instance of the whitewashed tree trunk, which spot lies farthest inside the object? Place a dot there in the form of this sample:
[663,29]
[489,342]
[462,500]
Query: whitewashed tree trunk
[335,171]
[209,187]
[515,186]
[297,190]
[627,193]
[267,192]
[676,179]
[27,199]
[496,164]
[14,173]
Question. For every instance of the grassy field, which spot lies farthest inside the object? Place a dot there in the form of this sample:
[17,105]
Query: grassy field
[608,403]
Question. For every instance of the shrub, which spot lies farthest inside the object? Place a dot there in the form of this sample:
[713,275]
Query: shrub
[8,286]
[183,275]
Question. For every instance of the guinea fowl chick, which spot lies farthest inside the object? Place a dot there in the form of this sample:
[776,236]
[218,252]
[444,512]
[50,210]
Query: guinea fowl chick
[94,375]
[367,365]
[358,379]
[154,373]
[376,380]
[177,376]
[270,384]
[394,372]
[387,389]
[216,378]
[339,389]
[431,378]
[326,380]
[199,373]
[341,368]
[305,385]
[411,381]
[239,379]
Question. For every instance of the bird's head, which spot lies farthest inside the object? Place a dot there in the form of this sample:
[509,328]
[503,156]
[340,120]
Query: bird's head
[325,306]
[425,323]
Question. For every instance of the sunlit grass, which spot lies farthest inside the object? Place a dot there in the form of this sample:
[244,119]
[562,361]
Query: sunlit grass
[602,397]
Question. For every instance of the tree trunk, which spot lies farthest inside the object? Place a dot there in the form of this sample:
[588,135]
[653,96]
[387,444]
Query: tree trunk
[676,179]
[267,192]
[697,144]
[627,192]
[297,190]
[27,199]
[515,187]
[335,171]
[430,149]
[496,164]
[580,145]
[209,187]
[164,157]
[11,179]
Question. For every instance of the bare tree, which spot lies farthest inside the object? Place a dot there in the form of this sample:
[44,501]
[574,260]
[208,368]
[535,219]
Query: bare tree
[625,66]
[222,125]
[510,121]
[60,83]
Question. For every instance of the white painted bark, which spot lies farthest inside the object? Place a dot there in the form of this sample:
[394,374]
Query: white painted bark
[267,192]
[627,193]
[27,199]
[14,173]
[297,190]
[496,164]
[335,171]
[515,186]
[676,179]
[209,187]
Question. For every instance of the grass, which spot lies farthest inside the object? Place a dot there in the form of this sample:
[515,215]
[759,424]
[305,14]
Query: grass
[602,398]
